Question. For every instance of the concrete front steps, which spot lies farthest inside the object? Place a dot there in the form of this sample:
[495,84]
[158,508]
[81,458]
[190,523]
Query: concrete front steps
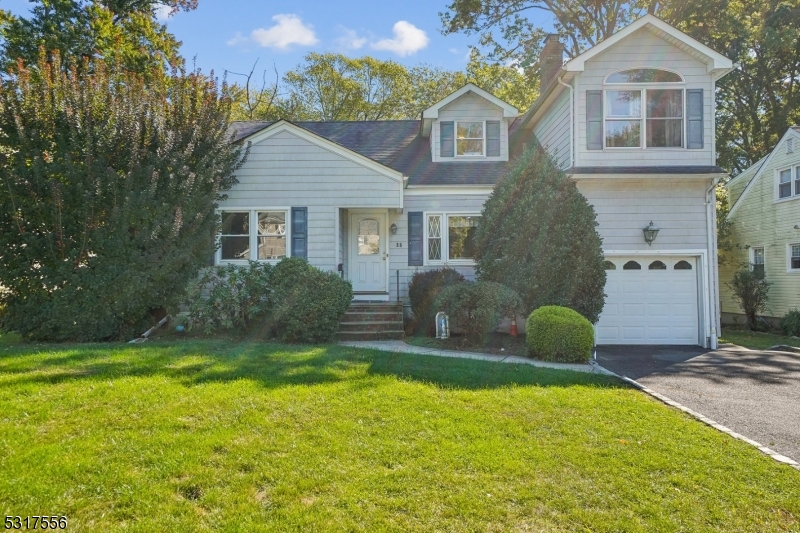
[367,321]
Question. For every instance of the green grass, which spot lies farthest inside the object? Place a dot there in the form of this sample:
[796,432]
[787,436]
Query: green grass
[204,436]
[755,340]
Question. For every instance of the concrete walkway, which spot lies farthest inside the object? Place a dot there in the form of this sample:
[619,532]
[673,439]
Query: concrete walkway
[402,347]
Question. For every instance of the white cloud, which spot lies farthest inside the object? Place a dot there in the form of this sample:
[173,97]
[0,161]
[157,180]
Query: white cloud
[408,39]
[289,30]
[350,39]
[453,50]
[162,13]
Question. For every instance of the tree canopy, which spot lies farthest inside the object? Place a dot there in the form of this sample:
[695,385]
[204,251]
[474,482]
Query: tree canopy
[108,185]
[115,30]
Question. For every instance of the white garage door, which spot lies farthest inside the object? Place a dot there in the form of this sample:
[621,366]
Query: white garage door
[650,301]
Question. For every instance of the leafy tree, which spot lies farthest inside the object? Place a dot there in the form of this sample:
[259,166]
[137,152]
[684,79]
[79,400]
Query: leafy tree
[538,236]
[116,30]
[725,242]
[108,189]
[751,292]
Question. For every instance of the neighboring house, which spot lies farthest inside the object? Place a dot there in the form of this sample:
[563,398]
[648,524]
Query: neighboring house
[631,120]
[765,212]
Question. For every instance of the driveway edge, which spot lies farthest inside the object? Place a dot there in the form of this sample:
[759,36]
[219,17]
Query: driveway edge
[716,425]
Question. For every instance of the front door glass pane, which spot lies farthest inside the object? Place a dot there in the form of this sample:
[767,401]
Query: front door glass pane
[369,239]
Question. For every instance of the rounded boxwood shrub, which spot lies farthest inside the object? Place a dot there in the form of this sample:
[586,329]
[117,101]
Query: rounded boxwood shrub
[478,307]
[559,334]
[308,302]
[424,289]
[790,323]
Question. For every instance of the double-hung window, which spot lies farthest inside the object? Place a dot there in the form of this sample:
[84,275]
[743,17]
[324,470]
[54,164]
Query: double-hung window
[644,116]
[757,260]
[794,257]
[253,235]
[785,179]
[451,237]
[470,139]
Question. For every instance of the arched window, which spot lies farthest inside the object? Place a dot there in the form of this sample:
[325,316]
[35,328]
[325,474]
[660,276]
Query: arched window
[644,75]
[631,265]
[609,265]
[657,265]
[683,265]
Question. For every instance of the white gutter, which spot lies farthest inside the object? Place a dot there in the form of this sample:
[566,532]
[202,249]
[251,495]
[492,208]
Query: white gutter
[713,289]
[571,121]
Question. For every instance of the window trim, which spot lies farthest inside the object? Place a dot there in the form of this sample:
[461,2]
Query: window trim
[455,140]
[751,257]
[794,183]
[789,269]
[253,213]
[445,238]
[606,82]
[643,88]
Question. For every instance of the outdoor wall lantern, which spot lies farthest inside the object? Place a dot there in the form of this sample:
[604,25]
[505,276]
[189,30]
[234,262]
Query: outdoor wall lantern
[393,228]
[650,233]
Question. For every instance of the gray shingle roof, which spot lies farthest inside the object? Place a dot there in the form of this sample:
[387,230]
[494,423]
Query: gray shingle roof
[398,145]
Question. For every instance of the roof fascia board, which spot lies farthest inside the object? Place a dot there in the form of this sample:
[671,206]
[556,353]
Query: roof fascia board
[322,142]
[716,60]
[758,174]
[509,111]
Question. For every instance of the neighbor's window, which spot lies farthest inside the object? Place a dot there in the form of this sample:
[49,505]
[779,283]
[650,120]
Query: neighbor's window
[451,237]
[253,235]
[271,235]
[785,183]
[469,138]
[757,260]
[235,236]
[794,258]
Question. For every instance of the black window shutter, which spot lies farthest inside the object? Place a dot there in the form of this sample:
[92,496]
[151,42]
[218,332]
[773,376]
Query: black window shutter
[493,138]
[594,120]
[447,139]
[300,232]
[415,233]
[694,118]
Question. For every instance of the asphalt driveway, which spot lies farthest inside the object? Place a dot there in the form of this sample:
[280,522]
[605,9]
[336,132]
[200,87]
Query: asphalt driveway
[754,393]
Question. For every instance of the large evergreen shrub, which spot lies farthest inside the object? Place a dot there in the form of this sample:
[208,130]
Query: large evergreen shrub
[559,334]
[538,236]
[308,302]
[424,289]
[109,183]
[478,307]
[790,323]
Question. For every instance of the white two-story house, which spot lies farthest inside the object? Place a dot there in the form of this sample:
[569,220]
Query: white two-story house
[631,120]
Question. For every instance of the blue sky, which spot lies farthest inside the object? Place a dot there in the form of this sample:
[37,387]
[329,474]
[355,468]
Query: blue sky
[232,34]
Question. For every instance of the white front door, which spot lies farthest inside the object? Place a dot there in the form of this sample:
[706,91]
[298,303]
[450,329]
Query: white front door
[650,300]
[368,252]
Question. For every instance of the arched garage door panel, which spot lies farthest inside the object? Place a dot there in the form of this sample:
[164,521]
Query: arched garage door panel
[649,304]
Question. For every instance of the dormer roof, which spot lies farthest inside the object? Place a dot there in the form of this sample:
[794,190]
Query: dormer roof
[432,113]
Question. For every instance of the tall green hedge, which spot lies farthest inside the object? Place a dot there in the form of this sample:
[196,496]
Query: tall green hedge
[538,236]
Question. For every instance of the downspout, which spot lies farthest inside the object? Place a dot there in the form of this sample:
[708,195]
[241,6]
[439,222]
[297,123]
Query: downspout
[571,121]
[713,261]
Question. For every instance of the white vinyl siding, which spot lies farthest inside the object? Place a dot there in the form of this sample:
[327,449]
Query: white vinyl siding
[553,129]
[287,170]
[644,49]
[470,108]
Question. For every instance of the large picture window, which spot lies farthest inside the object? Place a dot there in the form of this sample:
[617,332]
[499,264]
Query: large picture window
[661,122]
[451,237]
[469,139]
[253,235]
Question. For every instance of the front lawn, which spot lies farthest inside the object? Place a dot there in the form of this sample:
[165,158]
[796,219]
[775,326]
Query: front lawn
[756,340]
[205,435]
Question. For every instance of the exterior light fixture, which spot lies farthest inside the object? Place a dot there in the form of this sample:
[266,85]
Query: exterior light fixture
[650,233]
[393,228]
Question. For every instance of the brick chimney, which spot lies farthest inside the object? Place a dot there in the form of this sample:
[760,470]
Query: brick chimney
[550,59]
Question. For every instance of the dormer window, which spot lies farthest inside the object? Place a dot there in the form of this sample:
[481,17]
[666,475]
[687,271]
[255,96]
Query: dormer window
[469,138]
